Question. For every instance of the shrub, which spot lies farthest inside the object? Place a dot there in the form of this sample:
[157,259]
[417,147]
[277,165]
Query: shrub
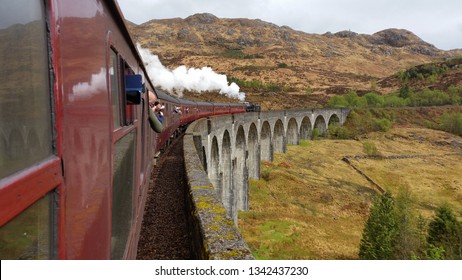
[429,98]
[354,101]
[452,123]
[374,100]
[422,72]
[455,90]
[337,101]
[382,124]
[370,149]
[308,90]
[405,91]
[435,252]
[336,131]
[265,175]
[405,97]
[315,134]
[394,101]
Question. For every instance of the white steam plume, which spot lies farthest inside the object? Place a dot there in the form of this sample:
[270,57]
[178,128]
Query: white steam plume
[193,79]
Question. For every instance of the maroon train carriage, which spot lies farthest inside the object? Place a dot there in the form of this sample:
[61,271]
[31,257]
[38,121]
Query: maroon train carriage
[221,108]
[203,109]
[228,108]
[171,121]
[75,141]
[188,111]
[237,108]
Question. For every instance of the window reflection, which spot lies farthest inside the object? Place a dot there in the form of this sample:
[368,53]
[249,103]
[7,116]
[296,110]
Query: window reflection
[30,235]
[114,76]
[122,193]
[25,114]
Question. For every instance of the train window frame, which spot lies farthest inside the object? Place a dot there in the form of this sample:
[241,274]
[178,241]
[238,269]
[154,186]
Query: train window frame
[115,84]
[124,114]
[29,184]
[145,135]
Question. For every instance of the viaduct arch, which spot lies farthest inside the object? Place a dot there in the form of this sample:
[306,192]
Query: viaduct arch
[233,146]
[221,154]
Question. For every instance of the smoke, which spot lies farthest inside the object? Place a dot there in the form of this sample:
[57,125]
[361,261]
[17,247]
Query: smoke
[183,78]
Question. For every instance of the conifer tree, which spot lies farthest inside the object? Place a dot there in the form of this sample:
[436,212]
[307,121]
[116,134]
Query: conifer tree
[380,231]
[445,233]
[410,240]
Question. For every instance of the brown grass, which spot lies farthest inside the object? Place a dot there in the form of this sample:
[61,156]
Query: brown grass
[313,205]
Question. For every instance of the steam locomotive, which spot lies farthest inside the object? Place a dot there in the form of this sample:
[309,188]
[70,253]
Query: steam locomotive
[76,147]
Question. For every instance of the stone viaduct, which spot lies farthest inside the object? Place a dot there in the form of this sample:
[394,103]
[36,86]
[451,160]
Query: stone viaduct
[222,153]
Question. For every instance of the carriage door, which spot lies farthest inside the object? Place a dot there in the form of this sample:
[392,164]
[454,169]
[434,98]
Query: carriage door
[124,158]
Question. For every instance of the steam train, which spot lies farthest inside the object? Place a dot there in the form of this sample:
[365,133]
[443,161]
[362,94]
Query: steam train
[76,147]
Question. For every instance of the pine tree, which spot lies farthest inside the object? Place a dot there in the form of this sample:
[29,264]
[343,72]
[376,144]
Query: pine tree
[445,233]
[380,231]
[410,239]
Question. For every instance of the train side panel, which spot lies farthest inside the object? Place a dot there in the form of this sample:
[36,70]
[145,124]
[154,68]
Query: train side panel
[237,108]
[87,181]
[188,111]
[204,109]
[102,136]
[221,108]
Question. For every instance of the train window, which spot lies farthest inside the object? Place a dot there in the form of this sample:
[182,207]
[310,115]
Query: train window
[122,193]
[25,110]
[115,88]
[123,113]
[31,234]
[129,109]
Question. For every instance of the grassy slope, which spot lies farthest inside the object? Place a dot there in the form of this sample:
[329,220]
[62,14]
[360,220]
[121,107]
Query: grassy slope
[313,205]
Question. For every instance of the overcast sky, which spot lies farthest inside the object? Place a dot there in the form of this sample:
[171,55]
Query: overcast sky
[438,22]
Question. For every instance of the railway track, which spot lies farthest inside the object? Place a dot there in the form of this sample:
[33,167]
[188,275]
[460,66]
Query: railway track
[164,232]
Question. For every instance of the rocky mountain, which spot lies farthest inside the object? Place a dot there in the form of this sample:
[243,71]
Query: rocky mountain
[273,62]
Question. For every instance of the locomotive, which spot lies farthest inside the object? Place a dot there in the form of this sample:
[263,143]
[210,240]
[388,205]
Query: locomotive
[76,148]
[252,107]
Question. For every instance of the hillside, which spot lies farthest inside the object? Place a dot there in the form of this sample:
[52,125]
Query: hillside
[273,63]
[310,204]
[313,213]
